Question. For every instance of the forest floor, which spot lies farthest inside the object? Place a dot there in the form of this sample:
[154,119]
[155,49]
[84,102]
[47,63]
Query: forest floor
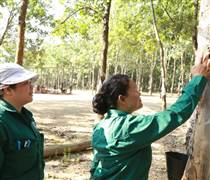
[69,119]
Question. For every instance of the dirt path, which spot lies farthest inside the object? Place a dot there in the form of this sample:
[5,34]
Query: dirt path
[69,118]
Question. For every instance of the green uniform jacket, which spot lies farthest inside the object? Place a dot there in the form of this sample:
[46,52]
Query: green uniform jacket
[21,145]
[122,142]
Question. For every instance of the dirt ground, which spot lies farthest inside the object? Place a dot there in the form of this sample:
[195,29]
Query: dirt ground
[69,118]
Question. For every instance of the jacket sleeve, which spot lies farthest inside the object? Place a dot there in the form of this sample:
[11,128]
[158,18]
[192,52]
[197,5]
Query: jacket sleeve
[94,165]
[143,130]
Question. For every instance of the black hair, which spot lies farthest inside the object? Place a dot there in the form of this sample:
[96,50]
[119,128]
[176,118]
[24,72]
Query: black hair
[12,86]
[107,96]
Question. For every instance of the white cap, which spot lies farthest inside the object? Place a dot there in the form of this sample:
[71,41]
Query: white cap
[11,73]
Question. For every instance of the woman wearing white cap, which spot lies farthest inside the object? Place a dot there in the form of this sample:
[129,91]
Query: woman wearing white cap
[21,144]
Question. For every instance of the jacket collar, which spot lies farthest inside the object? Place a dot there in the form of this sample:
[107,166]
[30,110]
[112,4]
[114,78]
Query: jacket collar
[8,107]
[116,112]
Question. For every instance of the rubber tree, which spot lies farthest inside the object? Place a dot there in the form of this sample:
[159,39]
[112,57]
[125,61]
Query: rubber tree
[163,69]
[105,40]
[21,33]
[198,165]
[195,24]
[8,24]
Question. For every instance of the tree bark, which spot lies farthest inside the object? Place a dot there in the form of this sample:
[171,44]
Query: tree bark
[198,165]
[195,29]
[105,40]
[21,33]
[162,62]
[61,149]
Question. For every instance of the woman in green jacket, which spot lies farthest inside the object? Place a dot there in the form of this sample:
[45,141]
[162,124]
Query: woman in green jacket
[21,144]
[121,141]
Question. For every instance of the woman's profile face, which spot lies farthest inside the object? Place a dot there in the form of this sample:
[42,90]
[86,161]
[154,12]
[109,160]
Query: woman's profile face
[133,99]
[22,93]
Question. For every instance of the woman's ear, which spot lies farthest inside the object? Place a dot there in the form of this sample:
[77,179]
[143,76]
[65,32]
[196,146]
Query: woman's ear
[7,91]
[121,99]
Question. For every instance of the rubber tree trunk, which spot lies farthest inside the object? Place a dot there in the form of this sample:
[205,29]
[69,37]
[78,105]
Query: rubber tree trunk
[195,29]
[198,165]
[116,61]
[163,69]
[173,77]
[152,68]
[105,40]
[181,77]
[8,24]
[139,73]
[21,32]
